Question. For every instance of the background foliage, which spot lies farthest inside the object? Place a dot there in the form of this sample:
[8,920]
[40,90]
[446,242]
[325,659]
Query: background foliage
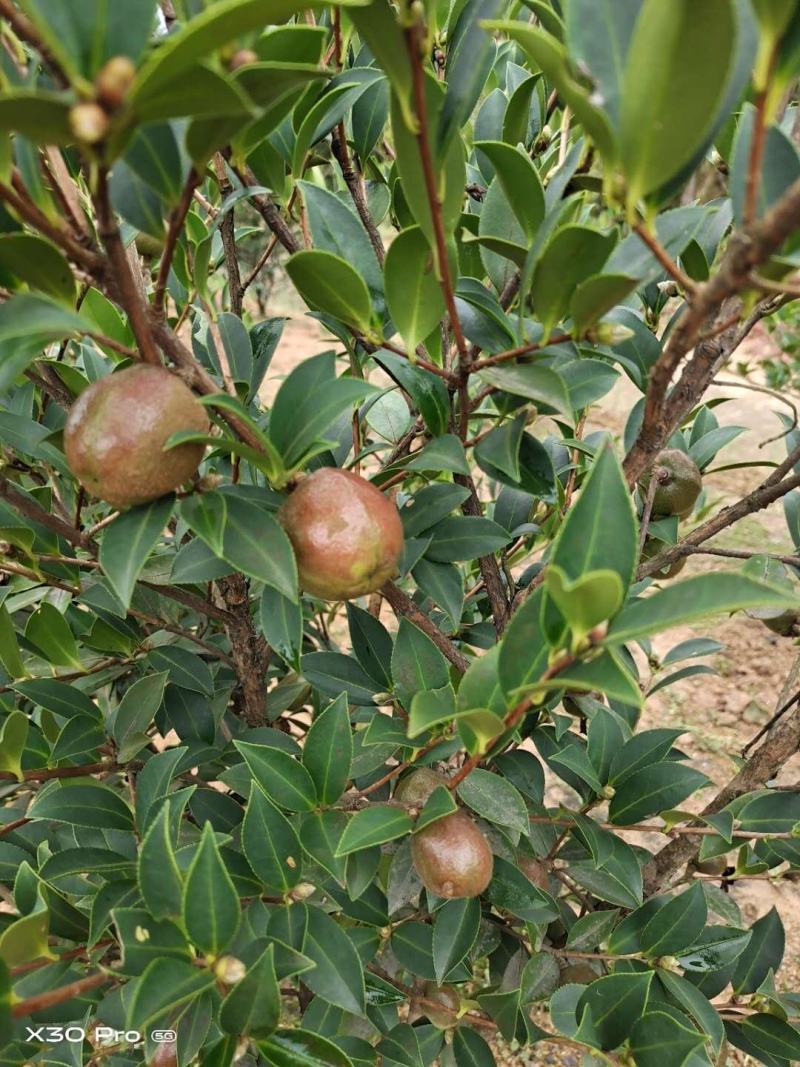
[495,210]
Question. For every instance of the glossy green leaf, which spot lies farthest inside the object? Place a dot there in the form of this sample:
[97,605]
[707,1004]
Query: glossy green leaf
[210,901]
[677,71]
[38,263]
[532,381]
[454,933]
[613,1004]
[166,986]
[413,293]
[309,400]
[160,880]
[128,542]
[83,805]
[330,284]
[677,924]
[520,182]
[693,599]
[374,825]
[652,790]
[284,779]
[763,953]
[13,738]
[49,631]
[302,1048]
[135,713]
[270,843]
[338,976]
[495,799]
[328,751]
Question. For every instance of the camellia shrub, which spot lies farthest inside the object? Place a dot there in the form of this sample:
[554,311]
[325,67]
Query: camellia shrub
[320,737]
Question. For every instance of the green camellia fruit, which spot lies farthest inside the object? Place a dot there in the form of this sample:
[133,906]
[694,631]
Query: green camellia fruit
[653,547]
[781,622]
[347,536]
[450,1001]
[678,483]
[714,865]
[452,857]
[116,431]
[417,786]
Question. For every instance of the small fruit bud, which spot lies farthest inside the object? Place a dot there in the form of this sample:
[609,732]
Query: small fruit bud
[114,80]
[608,792]
[88,122]
[609,333]
[229,970]
[668,963]
[242,58]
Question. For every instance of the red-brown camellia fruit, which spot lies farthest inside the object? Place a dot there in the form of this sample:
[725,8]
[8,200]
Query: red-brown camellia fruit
[452,857]
[347,536]
[116,431]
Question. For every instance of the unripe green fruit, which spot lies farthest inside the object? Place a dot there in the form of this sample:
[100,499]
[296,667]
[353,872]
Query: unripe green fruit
[147,245]
[714,865]
[88,122]
[347,536]
[678,483]
[417,787]
[557,933]
[652,548]
[783,623]
[452,857]
[448,997]
[577,974]
[116,431]
[113,81]
[535,871]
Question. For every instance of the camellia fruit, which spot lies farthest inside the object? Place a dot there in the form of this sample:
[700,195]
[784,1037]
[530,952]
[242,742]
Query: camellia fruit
[535,871]
[652,547]
[347,536]
[678,483]
[88,122]
[452,857]
[116,431]
[417,786]
[113,81]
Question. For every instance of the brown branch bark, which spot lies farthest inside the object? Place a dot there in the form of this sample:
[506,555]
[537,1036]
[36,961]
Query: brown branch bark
[227,231]
[489,567]
[668,864]
[249,650]
[84,258]
[404,605]
[415,45]
[746,250]
[177,219]
[43,1001]
[269,212]
[353,182]
[121,279]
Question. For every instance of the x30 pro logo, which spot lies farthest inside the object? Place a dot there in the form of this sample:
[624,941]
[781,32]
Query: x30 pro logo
[101,1035]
